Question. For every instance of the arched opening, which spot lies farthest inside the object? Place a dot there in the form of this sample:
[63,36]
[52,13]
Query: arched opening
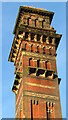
[44,38]
[37,102]
[38,38]
[47,110]
[43,24]
[26,35]
[32,48]
[28,21]
[31,111]
[36,23]
[44,50]
[38,63]
[32,36]
[37,49]
[34,101]
[25,21]
[50,51]
[30,61]
[50,39]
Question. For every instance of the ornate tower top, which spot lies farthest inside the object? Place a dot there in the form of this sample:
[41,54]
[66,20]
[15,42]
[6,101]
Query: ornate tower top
[33,52]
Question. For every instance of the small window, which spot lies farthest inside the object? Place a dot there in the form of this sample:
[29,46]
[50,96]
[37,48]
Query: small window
[37,102]
[51,51]
[28,21]
[43,24]
[37,49]
[36,23]
[26,35]
[32,36]
[50,39]
[30,61]
[38,63]
[44,50]
[44,38]
[31,48]
[52,104]
[34,101]
[38,37]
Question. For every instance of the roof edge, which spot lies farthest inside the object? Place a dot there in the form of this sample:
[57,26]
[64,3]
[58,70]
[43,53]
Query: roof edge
[34,9]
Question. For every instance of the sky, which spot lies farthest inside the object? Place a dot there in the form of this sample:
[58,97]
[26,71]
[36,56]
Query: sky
[9,15]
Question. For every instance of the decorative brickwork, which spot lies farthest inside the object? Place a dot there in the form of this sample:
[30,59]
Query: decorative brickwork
[33,52]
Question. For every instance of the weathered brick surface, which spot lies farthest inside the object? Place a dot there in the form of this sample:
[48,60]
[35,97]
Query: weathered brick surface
[37,47]
[57,110]
[40,81]
[42,111]
[40,90]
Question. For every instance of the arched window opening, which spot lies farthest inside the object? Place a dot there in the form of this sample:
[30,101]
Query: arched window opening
[32,36]
[35,22]
[38,63]
[52,104]
[43,50]
[34,101]
[38,37]
[37,49]
[43,24]
[50,51]
[44,38]
[28,21]
[32,48]
[31,111]
[37,102]
[47,110]
[30,61]
[50,39]
[26,35]
[25,46]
